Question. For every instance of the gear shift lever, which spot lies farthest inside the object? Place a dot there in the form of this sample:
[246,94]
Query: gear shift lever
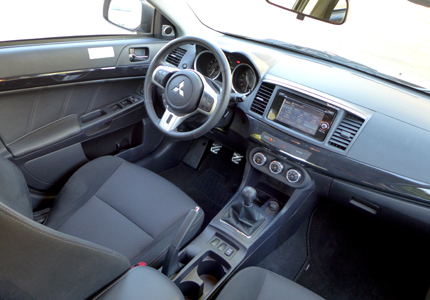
[242,215]
[248,195]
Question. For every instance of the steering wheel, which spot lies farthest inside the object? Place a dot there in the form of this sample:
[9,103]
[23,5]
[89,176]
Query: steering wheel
[187,91]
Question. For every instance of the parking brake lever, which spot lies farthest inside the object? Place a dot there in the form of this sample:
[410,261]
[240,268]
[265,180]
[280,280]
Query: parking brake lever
[171,262]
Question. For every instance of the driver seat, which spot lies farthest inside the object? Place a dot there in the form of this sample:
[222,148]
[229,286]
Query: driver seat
[108,214]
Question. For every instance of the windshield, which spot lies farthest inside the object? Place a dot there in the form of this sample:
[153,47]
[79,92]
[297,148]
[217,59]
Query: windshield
[391,36]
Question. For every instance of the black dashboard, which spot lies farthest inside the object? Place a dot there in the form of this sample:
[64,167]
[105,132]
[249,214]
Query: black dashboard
[364,133]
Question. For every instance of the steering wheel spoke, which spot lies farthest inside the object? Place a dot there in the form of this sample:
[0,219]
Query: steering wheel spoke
[209,99]
[170,121]
[162,74]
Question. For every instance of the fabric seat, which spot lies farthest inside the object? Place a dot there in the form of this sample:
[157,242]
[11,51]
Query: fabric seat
[123,207]
[109,213]
[259,284]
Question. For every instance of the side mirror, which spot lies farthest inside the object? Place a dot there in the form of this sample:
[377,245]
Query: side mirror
[330,11]
[134,15]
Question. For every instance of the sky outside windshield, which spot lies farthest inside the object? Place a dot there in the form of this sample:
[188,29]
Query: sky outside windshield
[392,36]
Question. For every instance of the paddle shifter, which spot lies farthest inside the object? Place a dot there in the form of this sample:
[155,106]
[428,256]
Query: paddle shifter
[243,215]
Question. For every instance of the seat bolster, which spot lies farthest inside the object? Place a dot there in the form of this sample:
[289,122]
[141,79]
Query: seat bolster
[43,263]
[13,188]
[259,284]
[142,283]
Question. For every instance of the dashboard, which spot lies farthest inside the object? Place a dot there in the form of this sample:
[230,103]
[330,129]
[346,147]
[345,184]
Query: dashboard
[368,136]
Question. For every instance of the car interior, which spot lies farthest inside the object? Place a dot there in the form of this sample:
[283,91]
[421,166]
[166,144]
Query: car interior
[186,163]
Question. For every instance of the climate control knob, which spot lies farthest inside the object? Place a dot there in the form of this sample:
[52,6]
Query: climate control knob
[293,176]
[259,158]
[276,167]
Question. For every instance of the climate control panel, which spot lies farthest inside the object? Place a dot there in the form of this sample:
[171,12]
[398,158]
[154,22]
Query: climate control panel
[278,167]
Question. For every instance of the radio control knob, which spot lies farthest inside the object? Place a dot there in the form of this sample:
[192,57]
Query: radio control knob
[259,158]
[325,126]
[276,167]
[293,176]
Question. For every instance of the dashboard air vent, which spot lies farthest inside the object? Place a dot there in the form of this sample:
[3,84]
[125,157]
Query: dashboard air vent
[176,56]
[346,132]
[262,98]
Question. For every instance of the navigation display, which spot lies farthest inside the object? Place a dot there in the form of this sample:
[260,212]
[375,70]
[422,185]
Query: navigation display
[300,116]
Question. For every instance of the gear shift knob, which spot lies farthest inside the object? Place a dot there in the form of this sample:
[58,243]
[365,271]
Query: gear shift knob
[248,195]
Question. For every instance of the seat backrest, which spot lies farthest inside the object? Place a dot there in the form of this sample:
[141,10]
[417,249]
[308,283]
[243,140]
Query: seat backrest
[37,262]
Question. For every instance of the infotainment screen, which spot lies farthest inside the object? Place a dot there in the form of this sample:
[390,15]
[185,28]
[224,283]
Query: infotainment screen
[300,116]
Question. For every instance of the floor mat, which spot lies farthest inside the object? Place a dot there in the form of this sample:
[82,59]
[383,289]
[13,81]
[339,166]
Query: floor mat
[290,256]
[212,185]
[355,257]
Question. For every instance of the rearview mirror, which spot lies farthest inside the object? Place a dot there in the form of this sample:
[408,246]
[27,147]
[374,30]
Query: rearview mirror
[330,11]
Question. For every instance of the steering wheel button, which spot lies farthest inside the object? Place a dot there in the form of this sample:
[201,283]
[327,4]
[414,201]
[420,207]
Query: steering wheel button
[169,119]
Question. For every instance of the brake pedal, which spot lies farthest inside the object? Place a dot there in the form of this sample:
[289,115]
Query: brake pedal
[215,148]
[237,158]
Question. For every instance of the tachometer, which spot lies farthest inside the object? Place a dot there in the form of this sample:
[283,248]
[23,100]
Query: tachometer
[207,64]
[244,79]
[213,68]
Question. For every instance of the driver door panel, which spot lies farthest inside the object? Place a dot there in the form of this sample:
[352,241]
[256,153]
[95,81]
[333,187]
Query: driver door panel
[61,107]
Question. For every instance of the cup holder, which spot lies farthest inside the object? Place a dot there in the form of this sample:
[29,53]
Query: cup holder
[200,277]
[191,290]
[210,272]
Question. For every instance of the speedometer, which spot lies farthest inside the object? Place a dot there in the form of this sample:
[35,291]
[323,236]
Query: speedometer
[244,79]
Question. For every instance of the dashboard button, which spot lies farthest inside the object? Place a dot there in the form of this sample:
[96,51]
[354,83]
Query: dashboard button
[259,159]
[293,176]
[268,138]
[276,167]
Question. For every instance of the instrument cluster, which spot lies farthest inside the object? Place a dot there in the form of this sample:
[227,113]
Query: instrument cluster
[244,78]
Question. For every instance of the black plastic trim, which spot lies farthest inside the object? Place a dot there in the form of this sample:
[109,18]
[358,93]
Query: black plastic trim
[39,80]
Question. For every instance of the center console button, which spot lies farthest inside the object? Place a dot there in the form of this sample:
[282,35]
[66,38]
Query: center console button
[276,167]
[215,242]
[259,158]
[229,251]
[222,247]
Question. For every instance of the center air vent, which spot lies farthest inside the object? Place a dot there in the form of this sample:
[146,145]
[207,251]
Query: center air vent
[176,56]
[346,132]
[262,98]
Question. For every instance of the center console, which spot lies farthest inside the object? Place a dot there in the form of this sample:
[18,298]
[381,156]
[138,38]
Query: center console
[274,197]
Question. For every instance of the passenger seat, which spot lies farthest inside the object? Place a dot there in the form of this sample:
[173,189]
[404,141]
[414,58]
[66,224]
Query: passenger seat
[259,284]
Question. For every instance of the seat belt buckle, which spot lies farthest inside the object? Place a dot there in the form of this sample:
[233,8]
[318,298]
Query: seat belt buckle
[141,264]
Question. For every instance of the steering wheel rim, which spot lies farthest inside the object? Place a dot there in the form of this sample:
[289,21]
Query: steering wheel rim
[221,99]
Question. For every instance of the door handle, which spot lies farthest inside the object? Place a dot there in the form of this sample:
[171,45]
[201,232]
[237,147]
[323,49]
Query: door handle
[134,57]
[138,54]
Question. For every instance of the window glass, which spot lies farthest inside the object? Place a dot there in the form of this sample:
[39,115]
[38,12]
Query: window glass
[33,19]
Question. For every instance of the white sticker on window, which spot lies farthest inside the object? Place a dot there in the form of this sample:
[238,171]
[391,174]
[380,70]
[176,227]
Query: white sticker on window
[101,52]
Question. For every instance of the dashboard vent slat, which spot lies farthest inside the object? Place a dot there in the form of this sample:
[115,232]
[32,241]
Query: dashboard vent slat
[346,132]
[176,56]
[262,98]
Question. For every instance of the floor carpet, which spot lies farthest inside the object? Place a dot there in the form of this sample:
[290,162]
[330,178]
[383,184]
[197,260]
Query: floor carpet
[212,185]
[356,257]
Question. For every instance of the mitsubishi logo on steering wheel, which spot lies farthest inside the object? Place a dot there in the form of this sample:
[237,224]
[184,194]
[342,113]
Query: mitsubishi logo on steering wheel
[179,89]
